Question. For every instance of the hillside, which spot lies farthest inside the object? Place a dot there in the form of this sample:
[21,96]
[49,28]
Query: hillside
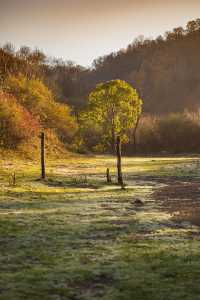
[165,71]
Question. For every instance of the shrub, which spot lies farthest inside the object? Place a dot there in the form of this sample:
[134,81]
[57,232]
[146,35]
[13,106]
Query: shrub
[147,135]
[179,133]
[39,101]
[16,123]
[175,133]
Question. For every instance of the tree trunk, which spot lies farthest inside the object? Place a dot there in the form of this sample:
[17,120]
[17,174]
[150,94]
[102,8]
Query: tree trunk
[113,140]
[134,135]
[43,175]
[119,161]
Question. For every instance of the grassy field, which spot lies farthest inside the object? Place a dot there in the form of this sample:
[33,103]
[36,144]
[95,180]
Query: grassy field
[74,237]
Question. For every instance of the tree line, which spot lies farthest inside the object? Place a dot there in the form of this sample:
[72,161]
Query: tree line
[53,94]
[165,70]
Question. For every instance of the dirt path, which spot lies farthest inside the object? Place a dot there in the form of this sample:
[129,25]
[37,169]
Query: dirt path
[182,200]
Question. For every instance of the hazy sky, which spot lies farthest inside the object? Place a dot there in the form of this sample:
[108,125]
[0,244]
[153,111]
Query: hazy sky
[81,30]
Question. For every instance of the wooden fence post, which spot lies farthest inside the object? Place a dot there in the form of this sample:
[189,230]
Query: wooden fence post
[108,177]
[43,173]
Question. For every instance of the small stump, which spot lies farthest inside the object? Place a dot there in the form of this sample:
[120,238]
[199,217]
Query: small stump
[138,202]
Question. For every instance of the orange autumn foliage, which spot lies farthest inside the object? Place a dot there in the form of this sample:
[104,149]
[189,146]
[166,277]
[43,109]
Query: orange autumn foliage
[16,123]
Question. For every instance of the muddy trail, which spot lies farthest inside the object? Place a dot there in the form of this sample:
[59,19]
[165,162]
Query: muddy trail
[181,200]
[178,197]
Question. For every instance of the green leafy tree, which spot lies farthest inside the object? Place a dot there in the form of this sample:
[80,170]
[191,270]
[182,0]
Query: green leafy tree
[115,107]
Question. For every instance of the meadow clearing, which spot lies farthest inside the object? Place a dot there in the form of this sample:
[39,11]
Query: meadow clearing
[72,236]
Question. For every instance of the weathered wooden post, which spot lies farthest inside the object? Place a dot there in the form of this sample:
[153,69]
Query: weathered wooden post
[119,162]
[43,174]
[14,179]
[108,177]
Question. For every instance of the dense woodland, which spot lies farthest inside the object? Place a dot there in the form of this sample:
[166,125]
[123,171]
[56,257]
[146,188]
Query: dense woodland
[38,92]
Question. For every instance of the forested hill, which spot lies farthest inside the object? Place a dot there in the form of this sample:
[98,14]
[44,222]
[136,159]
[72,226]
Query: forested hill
[165,71]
